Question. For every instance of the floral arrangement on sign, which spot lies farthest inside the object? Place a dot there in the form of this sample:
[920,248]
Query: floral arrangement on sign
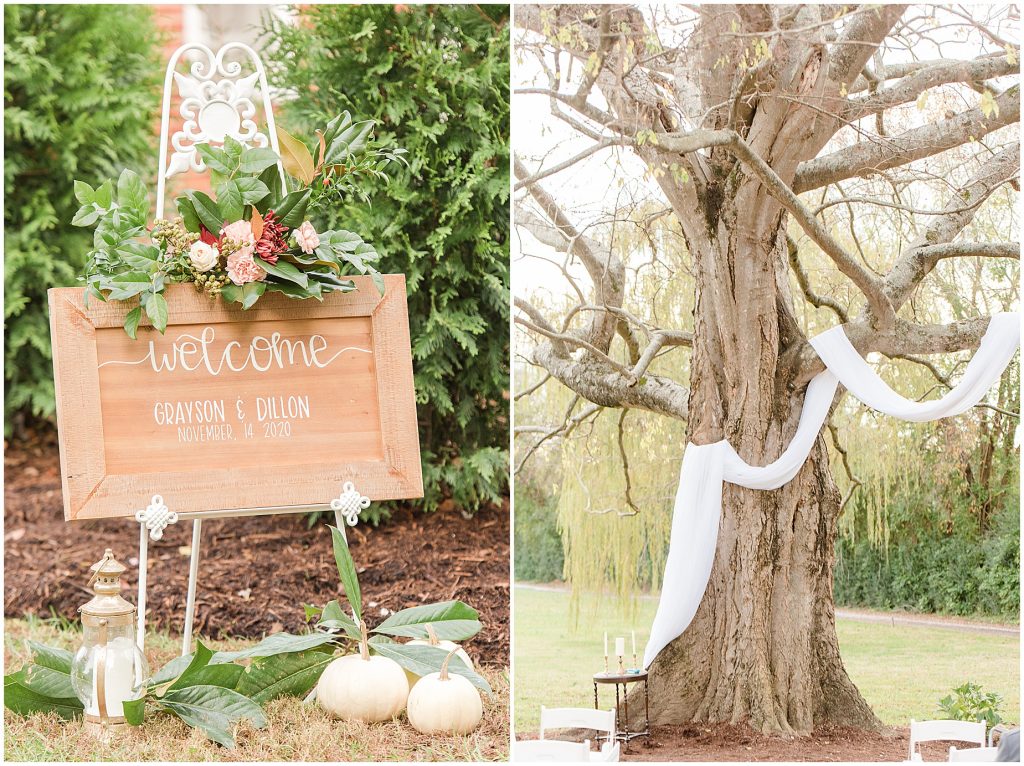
[356,676]
[255,235]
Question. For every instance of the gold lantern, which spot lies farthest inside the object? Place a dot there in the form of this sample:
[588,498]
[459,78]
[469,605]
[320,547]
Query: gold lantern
[109,669]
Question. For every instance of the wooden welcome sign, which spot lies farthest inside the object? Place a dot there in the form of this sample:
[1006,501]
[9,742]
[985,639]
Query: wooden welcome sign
[229,409]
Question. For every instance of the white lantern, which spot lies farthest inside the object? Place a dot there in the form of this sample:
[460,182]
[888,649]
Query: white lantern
[109,669]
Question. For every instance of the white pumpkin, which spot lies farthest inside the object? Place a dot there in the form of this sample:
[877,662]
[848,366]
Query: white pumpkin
[444,704]
[432,640]
[363,687]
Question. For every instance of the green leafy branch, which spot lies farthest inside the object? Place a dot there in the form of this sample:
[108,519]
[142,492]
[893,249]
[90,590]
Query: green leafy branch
[452,620]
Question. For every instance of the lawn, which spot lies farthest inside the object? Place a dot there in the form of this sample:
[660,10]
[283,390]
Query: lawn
[902,671]
[294,732]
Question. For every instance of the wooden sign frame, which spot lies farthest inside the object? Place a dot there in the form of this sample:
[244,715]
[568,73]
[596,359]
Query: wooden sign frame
[91,491]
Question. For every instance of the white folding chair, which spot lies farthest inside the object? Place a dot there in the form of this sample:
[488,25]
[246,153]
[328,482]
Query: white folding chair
[602,721]
[932,731]
[973,755]
[550,750]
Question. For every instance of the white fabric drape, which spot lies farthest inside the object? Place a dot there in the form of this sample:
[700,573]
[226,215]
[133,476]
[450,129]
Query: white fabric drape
[698,505]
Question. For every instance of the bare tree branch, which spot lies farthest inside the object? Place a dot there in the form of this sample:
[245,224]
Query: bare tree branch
[909,88]
[818,301]
[921,256]
[863,159]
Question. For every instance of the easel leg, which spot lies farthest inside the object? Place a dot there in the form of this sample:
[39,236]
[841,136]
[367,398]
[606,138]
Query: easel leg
[339,522]
[193,576]
[140,635]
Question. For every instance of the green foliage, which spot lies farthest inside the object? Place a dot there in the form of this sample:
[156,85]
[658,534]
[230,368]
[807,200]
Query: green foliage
[538,546]
[79,102]
[451,620]
[950,525]
[969,703]
[122,268]
[436,77]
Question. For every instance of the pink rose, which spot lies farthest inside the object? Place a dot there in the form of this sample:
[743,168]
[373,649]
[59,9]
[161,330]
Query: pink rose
[240,231]
[242,268]
[306,237]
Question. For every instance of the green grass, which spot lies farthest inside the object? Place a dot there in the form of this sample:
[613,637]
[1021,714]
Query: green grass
[294,732]
[902,671]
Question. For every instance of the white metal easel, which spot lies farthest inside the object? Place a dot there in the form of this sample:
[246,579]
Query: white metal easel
[217,101]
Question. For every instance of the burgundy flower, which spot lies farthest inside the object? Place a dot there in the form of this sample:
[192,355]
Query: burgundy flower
[205,235]
[272,241]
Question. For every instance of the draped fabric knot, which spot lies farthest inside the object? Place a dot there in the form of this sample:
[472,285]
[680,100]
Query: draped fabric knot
[698,505]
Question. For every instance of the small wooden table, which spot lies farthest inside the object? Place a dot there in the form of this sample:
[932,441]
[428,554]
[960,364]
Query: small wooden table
[624,735]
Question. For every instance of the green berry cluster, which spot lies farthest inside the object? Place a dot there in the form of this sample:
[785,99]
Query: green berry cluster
[172,237]
[213,281]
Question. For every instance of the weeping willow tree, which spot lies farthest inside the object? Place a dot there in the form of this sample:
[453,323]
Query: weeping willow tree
[813,165]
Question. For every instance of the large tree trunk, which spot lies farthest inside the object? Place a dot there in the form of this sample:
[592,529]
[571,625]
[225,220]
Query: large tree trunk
[762,647]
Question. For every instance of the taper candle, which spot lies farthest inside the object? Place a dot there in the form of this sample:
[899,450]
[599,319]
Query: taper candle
[606,643]
[633,634]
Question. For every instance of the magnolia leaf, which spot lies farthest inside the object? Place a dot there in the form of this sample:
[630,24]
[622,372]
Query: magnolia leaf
[134,711]
[213,710]
[229,200]
[312,290]
[276,643]
[347,571]
[334,617]
[291,211]
[292,674]
[256,160]
[295,157]
[252,189]
[270,178]
[199,659]
[22,700]
[131,322]
[452,620]
[187,211]
[422,659]
[348,142]
[246,294]
[321,150]
[50,675]
[286,271]
[207,210]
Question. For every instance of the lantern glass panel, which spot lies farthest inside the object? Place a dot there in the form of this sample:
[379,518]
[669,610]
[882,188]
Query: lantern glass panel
[125,668]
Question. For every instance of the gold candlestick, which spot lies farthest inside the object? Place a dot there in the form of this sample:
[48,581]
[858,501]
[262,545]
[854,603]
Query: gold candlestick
[622,669]
[606,663]
[635,666]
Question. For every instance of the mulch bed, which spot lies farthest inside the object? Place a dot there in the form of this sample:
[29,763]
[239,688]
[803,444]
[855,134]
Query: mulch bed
[738,742]
[255,573]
